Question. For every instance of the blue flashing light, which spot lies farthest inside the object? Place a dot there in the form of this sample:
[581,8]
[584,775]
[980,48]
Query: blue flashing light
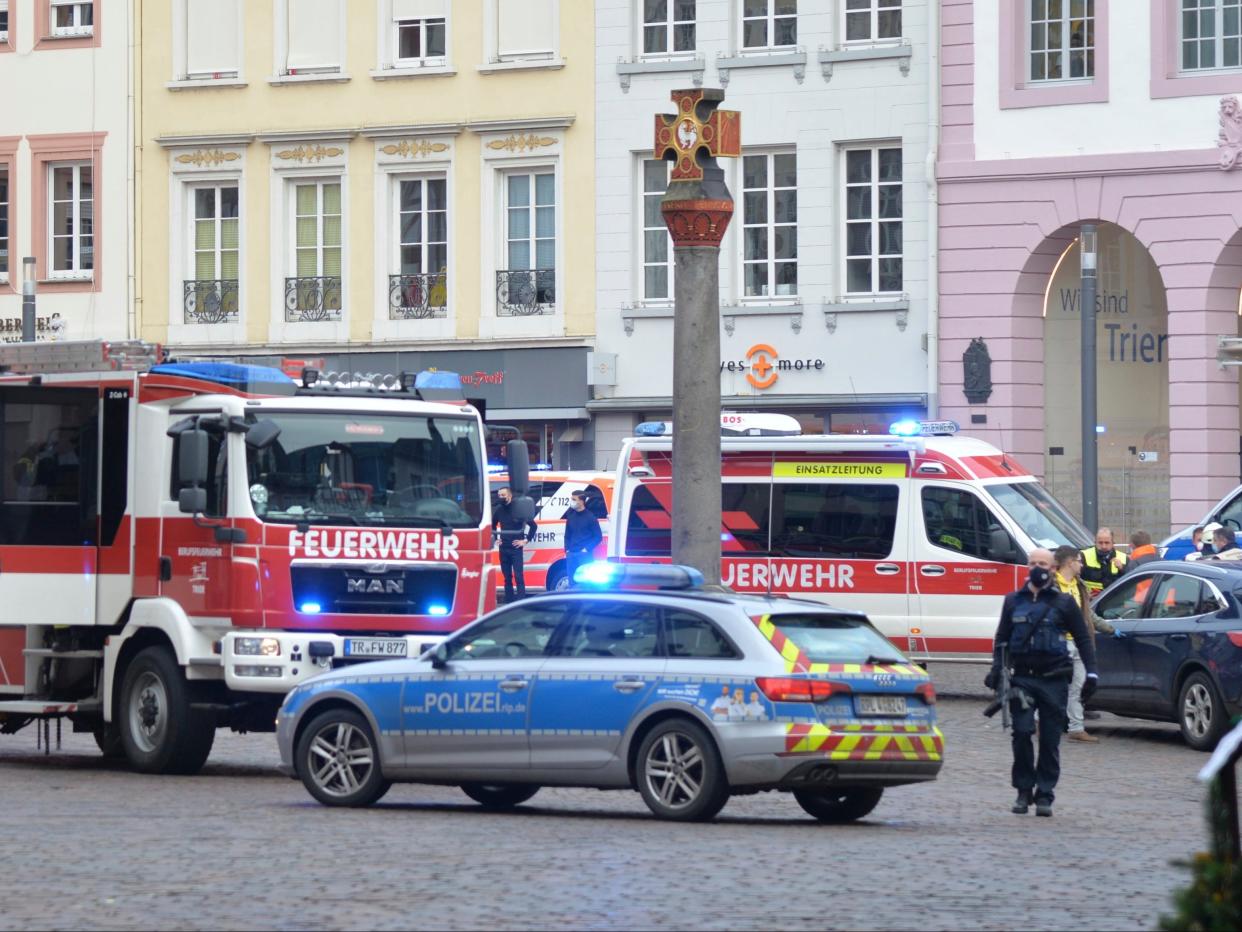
[602,575]
[906,429]
[912,428]
[437,610]
[449,381]
[495,468]
[310,608]
[1100,429]
[653,429]
[597,574]
[258,380]
[540,466]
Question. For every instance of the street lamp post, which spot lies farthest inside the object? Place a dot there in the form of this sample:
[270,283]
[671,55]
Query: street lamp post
[28,299]
[1088,253]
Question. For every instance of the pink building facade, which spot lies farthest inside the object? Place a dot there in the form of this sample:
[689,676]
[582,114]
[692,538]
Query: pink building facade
[1113,121]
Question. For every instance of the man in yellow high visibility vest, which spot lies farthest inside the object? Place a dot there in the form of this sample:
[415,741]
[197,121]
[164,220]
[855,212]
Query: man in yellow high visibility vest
[1102,563]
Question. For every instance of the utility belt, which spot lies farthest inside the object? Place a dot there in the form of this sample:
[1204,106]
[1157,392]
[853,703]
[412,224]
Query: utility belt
[1047,673]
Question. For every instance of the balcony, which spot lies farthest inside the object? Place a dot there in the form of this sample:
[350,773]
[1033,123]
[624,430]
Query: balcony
[525,292]
[313,300]
[420,296]
[210,301]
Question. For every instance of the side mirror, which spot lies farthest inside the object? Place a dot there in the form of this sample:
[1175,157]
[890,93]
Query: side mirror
[524,505]
[439,656]
[262,434]
[192,501]
[518,463]
[1000,545]
[192,457]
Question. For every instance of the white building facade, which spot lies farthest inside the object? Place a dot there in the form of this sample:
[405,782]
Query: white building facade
[824,271]
[66,168]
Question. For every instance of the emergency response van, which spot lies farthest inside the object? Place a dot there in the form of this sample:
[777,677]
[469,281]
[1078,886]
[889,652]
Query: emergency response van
[925,534]
[181,544]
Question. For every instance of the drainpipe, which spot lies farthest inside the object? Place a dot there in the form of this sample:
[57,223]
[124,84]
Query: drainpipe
[933,211]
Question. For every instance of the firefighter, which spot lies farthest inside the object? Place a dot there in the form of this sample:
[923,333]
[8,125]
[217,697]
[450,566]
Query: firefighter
[1102,563]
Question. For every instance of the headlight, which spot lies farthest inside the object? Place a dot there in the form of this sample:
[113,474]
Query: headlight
[256,647]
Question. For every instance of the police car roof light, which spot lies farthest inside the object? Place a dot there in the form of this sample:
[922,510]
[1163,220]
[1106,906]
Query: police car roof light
[913,428]
[604,575]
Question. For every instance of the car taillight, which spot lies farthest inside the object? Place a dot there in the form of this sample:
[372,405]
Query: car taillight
[1235,638]
[927,691]
[792,689]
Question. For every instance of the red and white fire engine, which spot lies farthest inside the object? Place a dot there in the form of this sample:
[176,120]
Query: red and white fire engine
[182,543]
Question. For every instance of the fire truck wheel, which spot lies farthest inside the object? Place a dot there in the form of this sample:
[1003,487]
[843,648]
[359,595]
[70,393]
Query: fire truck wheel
[338,760]
[499,795]
[108,738]
[161,731]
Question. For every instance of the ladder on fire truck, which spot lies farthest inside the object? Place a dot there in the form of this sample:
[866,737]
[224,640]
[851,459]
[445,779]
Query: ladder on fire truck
[79,356]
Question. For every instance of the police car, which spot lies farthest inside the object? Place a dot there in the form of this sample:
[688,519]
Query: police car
[645,682]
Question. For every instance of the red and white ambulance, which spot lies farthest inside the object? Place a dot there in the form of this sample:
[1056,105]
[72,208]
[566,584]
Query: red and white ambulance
[181,544]
[925,534]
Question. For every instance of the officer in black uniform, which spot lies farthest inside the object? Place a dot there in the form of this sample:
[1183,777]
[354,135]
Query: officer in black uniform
[517,529]
[1033,624]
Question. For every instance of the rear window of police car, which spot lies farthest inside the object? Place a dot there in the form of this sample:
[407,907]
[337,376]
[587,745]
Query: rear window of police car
[828,638]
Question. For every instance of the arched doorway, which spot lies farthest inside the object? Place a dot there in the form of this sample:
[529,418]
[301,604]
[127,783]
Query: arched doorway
[1132,385]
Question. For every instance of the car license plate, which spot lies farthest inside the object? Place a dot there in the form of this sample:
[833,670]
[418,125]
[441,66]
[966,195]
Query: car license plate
[375,647]
[881,705]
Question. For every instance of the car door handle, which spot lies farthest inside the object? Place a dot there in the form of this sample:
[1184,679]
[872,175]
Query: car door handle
[932,569]
[1178,637]
[513,685]
[628,686]
[887,569]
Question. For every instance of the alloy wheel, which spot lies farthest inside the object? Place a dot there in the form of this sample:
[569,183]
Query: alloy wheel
[674,770]
[1197,710]
[341,759]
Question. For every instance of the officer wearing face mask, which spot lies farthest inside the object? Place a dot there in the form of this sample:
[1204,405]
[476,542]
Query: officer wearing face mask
[1031,638]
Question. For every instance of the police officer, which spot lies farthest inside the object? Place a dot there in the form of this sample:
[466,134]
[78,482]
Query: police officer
[1102,563]
[1033,626]
[582,534]
[516,530]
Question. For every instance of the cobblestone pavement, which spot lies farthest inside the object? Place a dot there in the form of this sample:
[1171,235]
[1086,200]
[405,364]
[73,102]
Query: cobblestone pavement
[90,845]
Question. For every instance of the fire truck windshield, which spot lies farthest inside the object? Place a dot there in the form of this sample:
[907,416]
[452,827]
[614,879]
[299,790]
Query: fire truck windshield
[369,469]
[1045,520]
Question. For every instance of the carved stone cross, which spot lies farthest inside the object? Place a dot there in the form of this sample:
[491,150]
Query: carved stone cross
[697,128]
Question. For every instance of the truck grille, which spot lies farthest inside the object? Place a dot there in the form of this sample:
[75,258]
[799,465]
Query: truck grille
[357,590]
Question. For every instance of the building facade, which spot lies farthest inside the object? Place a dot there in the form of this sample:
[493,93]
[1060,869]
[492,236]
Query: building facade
[376,185]
[827,255]
[66,167]
[1059,114]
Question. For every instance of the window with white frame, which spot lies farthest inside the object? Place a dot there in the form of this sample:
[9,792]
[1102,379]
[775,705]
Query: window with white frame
[873,221]
[419,32]
[769,23]
[668,26]
[72,18]
[313,36]
[526,29]
[419,287]
[71,227]
[770,225]
[657,244]
[313,292]
[212,39]
[1062,39]
[4,20]
[1211,34]
[527,283]
[872,20]
[211,287]
[4,223]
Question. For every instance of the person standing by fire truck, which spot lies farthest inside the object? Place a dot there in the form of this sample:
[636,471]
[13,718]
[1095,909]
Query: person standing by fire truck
[516,529]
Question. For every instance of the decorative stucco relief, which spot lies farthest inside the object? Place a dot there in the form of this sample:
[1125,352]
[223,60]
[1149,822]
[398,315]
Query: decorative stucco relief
[521,142]
[207,158]
[414,148]
[1230,137]
[316,153]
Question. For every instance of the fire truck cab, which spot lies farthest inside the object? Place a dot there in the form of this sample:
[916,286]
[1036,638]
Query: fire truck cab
[182,543]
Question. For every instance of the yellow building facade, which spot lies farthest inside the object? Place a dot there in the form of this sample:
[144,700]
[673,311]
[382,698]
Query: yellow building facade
[375,184]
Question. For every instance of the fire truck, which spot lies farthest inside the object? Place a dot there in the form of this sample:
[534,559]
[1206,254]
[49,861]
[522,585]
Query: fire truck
[922,530]
[181,543]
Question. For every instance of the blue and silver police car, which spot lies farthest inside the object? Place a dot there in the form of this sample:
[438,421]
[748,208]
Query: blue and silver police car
[650,683]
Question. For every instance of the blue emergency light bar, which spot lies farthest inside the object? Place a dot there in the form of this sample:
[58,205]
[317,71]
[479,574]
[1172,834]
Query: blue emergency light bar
[603,575]
[912,428]
[437,379]
[259,380]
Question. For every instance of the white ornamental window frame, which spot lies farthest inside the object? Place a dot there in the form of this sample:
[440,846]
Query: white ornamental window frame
[769,225]
[874,256]
[77,272]
[851,9]
[4,33]
[668,24]
[1219,38]
[190,253]
[770,17]
[1064,19]
[77,28]
[281,39]
[643,229]
[181,46]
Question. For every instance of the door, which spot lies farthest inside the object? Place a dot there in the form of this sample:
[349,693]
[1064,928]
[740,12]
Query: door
[965,562]
[473,714]
[1122,606]
[603,673]
[1163,639]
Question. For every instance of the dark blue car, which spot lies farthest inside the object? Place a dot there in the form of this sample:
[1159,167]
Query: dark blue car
[1179,657]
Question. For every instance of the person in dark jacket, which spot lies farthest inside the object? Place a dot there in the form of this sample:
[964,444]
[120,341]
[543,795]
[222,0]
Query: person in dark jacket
[1033,624]
[1225,544]
[582,534]
[516,530]
[1141,550]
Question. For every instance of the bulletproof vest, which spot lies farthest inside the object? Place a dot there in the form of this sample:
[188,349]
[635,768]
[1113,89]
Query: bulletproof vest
[1036,639]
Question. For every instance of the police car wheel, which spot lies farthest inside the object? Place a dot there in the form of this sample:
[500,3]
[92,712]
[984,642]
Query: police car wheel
[1201,713]
[338,760]
[835,806]
[680,775]
[499,795]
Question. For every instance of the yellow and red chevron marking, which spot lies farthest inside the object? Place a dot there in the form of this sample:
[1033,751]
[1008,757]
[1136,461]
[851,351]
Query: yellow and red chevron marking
[824,741]
[796,660]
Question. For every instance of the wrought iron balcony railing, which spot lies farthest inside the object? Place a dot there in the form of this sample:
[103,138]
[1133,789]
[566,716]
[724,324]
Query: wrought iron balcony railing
[313,299]
[525,292]
[210,301]
[419,296]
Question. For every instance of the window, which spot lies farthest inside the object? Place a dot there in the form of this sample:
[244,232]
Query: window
[657,251]
[522,631]
[420,31]
[833,520]
[668,26]
[527,283]
[217,472]
[313,36]
[211,292]
[212,41]
[314,293]
[873,211]
[72,18]
[827,638]
[1124,601]
[422,226]
[4,20]
[745,518]
[872,20]
[1062,37]
[1211,34]
[614,630]
[693,636]
[1177,596]
[71,225]
[956,520]
[650,522]
[770,225]
[4,224]
[525,29]
[769,23]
